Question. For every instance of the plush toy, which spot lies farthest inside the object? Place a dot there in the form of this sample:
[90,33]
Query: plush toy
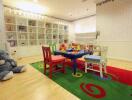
[8,66]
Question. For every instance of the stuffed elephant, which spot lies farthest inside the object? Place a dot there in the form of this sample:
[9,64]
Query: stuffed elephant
[8,66]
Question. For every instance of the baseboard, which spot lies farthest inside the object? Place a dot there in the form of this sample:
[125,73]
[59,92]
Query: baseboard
[119,58]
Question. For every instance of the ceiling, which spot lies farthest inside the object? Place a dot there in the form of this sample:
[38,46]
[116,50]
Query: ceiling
[64,9]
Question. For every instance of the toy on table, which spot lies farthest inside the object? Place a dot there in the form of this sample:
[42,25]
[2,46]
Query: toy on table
[63,47]
[78,47]
[74,46]
[70,46]
[82,47]
[8,66]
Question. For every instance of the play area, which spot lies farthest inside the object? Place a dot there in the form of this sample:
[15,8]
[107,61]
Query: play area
[82,75]
[65,49]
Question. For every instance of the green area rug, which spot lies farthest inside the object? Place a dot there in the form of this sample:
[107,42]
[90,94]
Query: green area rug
[90,86]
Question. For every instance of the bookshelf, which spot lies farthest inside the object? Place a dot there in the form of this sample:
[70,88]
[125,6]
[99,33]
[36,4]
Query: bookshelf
[23,31]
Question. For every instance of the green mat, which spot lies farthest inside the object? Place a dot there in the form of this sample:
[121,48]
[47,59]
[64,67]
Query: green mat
[112,90]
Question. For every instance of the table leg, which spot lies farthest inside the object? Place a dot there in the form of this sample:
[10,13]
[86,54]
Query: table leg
[74,66]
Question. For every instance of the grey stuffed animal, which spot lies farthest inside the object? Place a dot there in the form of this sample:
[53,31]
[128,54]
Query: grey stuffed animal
[8,66]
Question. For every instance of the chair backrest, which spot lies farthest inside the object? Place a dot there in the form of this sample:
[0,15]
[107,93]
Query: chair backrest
[46,54]
[104,50]
[97,50]
[52,47]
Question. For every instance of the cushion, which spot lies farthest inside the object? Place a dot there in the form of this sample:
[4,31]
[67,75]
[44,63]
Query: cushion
[81,60]
[92,57]
[57,58]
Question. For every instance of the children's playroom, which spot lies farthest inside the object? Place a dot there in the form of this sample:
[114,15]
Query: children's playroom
[65,50]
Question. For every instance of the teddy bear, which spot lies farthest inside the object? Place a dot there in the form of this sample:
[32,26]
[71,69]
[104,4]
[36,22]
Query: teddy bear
[8,66]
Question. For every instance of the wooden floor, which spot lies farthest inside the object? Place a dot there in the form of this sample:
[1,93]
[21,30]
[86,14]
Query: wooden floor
[127,65]
[33,85]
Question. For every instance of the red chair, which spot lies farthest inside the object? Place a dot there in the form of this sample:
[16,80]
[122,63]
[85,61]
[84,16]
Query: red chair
[52,61]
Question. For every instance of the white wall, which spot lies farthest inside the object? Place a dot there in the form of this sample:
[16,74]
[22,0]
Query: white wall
[114,21]
[85,25]
[1,17]
[71,32]
[2,28]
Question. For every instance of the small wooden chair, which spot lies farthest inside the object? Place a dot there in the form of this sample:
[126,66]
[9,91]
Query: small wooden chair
[52,61]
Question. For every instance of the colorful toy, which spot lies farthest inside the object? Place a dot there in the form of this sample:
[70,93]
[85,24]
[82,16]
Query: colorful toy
[74,46]
[62,47]
[78,47]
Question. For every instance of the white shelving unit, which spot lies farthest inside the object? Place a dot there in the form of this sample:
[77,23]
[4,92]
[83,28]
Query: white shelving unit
[22,31]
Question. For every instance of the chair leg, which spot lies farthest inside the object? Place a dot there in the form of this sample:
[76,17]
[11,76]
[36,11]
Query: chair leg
[50,71]
[101,72]
[86,67]
[44,68]
[105,68]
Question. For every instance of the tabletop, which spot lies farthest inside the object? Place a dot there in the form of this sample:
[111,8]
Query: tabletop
[71,54]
